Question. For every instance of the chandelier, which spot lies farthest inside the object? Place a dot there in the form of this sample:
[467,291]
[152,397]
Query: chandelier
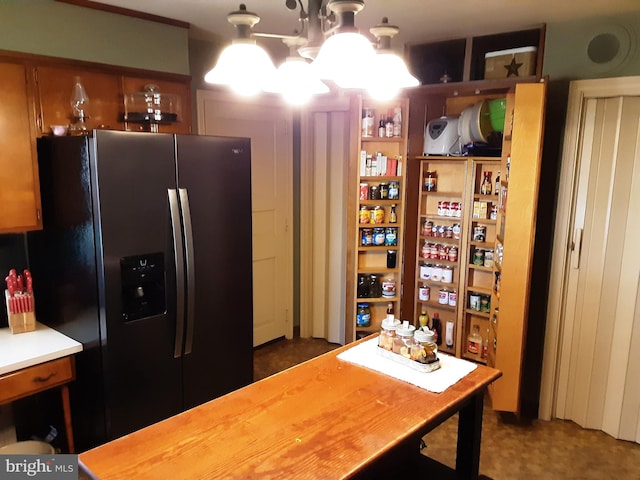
[328,50]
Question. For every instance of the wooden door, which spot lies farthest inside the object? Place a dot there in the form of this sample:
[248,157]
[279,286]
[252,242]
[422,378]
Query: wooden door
[268,124]
[19,186]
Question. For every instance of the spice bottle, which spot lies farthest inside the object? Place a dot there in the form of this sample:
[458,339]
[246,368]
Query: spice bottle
[423,318]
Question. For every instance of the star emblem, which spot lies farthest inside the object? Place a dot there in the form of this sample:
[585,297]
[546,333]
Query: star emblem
[513,67]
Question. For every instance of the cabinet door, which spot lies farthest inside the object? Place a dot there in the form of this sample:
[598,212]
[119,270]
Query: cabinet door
[522,150]
[181,89]
[19,190]
[55,85]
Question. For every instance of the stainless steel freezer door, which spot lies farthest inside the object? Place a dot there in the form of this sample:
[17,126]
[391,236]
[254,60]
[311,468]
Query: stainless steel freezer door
[214,181]
[132,173]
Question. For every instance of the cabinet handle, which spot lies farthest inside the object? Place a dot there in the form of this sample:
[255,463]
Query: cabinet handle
[44,379]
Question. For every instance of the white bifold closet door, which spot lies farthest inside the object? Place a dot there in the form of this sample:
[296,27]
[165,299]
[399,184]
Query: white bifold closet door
[599,355]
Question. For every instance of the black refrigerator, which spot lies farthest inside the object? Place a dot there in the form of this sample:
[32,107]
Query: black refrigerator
[146,259]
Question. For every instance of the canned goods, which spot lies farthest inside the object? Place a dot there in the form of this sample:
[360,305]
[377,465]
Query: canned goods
[378,236]
[478,257]
[433,250]
[364,191]
[367,237]
[474,301]
[383,188]
[377,214]
[448,232]
[427,226]
[365,214]
[441,210]
[479,233]
[453,298]
[424,292]
[445,209]
[394,190]
[453,208]
[391,236]
[436,273]
[374,192]
[443,252]
[425,271]
[453,253]
[443,296]
[458,212]
[456,231]
[426,250]
[447,275]
[441,229]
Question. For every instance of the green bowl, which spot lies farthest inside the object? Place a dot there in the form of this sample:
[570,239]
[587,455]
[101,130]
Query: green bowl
[497,108]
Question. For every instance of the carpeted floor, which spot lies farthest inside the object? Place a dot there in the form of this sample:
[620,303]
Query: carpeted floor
[555,450]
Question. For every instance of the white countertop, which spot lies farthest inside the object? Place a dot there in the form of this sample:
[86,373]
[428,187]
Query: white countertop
[30,348]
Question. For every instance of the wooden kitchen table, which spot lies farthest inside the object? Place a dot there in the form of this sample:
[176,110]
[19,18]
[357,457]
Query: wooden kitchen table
[322,419]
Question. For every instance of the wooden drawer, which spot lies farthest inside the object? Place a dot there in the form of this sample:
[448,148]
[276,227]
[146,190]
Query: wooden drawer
[36,379]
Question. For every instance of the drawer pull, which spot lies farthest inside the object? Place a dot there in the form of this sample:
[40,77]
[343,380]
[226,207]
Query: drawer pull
[44,379]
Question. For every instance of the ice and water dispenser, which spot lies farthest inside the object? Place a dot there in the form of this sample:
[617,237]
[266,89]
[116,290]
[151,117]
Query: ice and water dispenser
[143,286]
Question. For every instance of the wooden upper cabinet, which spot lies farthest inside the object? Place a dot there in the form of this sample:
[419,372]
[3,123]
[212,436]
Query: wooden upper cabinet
[19,188]
[55,86]
[181,90]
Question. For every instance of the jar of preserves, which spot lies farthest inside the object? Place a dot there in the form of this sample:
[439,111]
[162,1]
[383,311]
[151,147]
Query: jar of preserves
[453,253]
[424,346]
[478,257]
[363,315]
[367,237]
[430,181]
[388,333]
[378,236]
[404,339]
[383,188]
[394,190]
[374,192]
[391,236]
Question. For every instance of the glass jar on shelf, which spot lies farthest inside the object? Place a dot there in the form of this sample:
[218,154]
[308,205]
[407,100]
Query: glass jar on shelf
[363,316]
[474,341]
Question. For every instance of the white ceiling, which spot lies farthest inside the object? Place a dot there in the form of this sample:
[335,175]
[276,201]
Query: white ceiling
[419,20]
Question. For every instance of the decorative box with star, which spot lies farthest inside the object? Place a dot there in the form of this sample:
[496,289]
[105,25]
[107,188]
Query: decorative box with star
[512,63]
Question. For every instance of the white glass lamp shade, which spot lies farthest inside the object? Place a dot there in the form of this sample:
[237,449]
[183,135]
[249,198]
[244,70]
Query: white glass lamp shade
[244,67]
[391,76]
[346,59]
[296,81]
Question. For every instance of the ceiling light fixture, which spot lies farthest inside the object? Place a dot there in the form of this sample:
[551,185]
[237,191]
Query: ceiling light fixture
[345,57]
[385,87]
[244,66]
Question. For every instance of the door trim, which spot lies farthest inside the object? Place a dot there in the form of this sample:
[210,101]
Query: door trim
[579,92]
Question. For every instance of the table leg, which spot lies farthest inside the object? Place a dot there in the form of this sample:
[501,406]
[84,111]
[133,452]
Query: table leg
[469,436]
[66,407]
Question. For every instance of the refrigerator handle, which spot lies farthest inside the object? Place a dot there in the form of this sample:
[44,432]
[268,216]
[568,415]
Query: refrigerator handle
[191,276]
[174,208]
